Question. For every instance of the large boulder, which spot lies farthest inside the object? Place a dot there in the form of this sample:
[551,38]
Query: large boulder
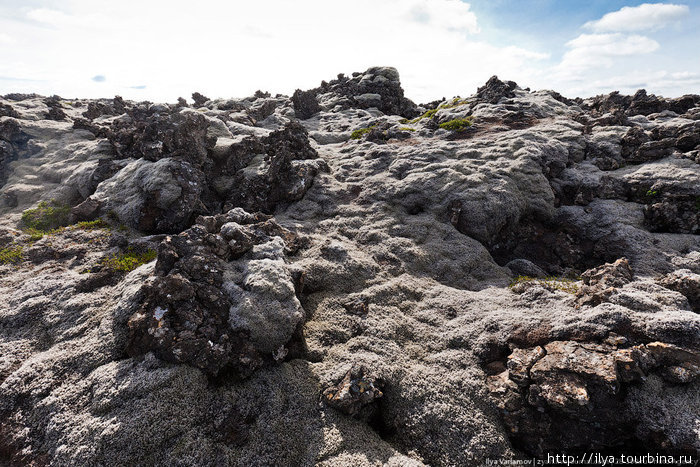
[378,87]
[223,298]
[154,197]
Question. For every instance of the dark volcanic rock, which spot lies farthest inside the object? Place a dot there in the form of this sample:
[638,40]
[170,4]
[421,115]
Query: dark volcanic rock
[495,89]
[55,110]
[6,110]
[290,165]
[12,141]
[212,308]
[571,395]
[155,133]
[678,213]
[645,104]
[378,87]
[305,104]
[199,99]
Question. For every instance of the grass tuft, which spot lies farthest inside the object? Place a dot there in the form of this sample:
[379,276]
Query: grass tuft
[11,255]
[93,225]
[46,216]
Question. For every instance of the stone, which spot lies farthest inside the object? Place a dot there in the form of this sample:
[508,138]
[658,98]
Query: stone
[354,392]
[305,104]
[600,283]
[212,309]
[685,282]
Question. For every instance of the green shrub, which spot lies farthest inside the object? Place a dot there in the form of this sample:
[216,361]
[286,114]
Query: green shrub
[46,217]
[405,128]
[129,260]
[457,124]
[11,254]
[550,283]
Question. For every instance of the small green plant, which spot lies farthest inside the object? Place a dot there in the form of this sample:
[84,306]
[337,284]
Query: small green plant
[360,132]
[11,255]
[405,128]
[46,216]
[456,102]
[652,193]
[551,283]
[129,260]
[92,225]
[457,124]
[36,234]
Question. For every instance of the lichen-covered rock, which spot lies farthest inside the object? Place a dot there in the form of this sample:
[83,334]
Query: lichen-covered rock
[685,282]
[154,197]
[282,175]
[600,283]
[393,257]
[570,395]
[354,392]
[223,299]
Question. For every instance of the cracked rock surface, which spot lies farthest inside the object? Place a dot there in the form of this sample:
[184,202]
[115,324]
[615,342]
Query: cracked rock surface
[333,278]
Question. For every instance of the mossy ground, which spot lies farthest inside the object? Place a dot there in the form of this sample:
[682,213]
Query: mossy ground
[360,132]
[551,283]
[458,124]
[12,254]
[46,217]
[53,218]
[456,102]
[128,261]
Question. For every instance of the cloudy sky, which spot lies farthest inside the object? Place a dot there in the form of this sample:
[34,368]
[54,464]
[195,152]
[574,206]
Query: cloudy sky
[161,49]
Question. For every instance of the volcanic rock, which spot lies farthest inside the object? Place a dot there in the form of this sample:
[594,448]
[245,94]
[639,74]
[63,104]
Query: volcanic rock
[294,243]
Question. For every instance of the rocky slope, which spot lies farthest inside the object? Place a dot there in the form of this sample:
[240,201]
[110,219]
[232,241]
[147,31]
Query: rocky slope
[343,277]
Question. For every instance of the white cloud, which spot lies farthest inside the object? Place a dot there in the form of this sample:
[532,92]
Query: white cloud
[6,39]
[47,16]
[601,50]
[645,17]
[162,49]
[233,48]
[660,82]
[449,14]
[613,44]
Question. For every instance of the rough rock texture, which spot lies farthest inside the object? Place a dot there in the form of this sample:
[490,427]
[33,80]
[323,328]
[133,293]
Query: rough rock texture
[223,297]
[569,395]
[305,104]
[378,87]
[332,285]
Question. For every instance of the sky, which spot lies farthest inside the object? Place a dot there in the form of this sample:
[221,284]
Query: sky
[159,50]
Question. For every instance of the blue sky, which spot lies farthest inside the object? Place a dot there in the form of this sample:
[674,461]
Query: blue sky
[161,49]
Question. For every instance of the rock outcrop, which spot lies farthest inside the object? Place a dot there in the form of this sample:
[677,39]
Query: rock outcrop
[343,277]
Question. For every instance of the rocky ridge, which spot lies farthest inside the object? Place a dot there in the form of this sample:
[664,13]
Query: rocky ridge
[343,277]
